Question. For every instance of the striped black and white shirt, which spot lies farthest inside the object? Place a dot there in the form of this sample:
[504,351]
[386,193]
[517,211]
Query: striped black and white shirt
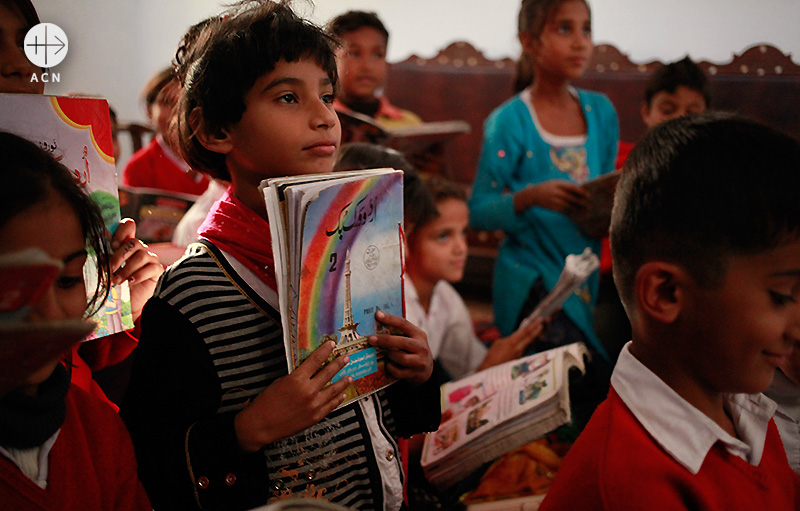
[210,344]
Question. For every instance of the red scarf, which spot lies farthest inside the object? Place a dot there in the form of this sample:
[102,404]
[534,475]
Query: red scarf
[238,230]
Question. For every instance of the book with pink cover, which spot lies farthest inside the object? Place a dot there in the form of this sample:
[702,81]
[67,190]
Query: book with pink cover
[77,133]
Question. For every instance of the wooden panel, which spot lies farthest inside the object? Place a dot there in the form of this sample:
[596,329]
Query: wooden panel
[461,83]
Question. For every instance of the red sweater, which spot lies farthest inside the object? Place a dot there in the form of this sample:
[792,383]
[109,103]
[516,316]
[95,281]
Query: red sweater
[91,465]
[616,465]
[150,167]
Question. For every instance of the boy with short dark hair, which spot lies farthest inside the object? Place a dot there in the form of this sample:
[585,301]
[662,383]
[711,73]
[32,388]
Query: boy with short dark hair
[676,89]
[705,237]
[363,69]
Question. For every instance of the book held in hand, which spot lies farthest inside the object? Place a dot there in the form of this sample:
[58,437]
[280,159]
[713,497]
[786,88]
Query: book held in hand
[596,218]
[577,268]
[337,248]
[77,132]
[496,410]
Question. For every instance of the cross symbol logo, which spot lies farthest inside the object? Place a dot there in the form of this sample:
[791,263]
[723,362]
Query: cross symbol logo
[46,45]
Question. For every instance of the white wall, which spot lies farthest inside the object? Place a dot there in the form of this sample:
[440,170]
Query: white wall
[116,45]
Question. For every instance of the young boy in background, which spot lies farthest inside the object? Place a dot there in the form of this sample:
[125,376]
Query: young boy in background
[674,90]
[362,71]
[157,165]
[705,236]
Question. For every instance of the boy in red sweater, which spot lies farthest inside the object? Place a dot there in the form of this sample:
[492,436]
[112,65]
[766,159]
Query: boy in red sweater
[705,238]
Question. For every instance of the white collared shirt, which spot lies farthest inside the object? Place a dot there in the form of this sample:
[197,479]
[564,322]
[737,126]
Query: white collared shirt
[33,462]
[682,430]
[448,325]
[787,417]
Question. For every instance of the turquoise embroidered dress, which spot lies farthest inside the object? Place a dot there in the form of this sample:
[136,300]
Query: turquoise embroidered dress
[514,155]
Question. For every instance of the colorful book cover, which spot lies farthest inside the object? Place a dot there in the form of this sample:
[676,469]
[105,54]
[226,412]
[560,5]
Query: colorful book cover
[77,132]
[156,212]
[349,267]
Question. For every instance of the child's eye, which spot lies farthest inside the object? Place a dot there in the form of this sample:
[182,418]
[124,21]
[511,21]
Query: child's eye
[68,282]
[328,98]
[781,299]
[563,29]
[288,98]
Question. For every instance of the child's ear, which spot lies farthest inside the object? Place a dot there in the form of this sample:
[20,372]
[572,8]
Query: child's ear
[219,142]
[660,290]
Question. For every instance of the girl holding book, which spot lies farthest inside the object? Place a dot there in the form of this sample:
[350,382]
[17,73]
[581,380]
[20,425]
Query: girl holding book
[539,147]
[216,420]
[60,448]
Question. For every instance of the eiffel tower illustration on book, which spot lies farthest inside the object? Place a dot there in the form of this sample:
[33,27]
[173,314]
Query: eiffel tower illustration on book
[349,339]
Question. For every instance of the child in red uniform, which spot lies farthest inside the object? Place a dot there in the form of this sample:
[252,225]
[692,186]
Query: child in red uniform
[158,165]
[60,448]
[131,260]
[705,237]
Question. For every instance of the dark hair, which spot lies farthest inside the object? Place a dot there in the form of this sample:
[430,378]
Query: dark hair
[155,84]
[418,203]
[25,8]
[671,76]
[196,32]
[699,189]
[227,59]
[533,16]
[440,190]
[354,20]
[31,176]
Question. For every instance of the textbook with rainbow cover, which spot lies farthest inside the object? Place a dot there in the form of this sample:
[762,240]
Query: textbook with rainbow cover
[77,133]
[337,246]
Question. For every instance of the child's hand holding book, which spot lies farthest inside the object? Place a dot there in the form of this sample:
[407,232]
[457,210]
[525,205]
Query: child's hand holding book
[408,356]
[294,402]
[514,346]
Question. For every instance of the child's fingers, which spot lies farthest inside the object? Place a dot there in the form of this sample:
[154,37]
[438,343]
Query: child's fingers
[392,343]
[125,249]
[405,326]
[326,373]
[125,231]
[315,362]
[140,265]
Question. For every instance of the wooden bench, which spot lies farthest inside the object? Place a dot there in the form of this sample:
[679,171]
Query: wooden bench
[460,83]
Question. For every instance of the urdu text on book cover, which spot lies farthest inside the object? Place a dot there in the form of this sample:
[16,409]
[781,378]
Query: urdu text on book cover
[77,133]
[348,238]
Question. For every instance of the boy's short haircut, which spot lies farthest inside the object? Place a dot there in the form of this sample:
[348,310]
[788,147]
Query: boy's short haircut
[226,60]
[417,201]
[670,76]
[699,189]
[354,20]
